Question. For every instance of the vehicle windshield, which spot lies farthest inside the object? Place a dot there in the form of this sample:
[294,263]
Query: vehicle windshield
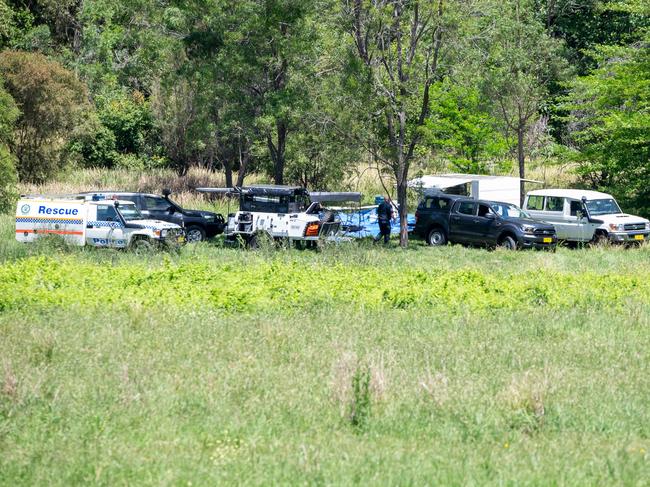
[130,212]
[505,210]
[603,207]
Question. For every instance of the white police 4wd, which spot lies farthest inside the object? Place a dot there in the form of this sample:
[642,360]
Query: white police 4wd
[91,221]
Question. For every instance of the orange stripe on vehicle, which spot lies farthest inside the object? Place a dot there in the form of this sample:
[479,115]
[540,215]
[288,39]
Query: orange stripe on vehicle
[58,232]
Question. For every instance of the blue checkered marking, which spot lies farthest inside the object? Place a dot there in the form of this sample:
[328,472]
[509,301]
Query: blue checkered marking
[106,224]
[64,221]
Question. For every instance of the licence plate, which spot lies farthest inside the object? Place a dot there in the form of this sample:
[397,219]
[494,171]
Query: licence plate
[639,237]
[181,239]
[548,239]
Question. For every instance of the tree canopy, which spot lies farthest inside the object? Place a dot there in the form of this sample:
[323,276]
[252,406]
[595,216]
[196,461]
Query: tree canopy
[304,90]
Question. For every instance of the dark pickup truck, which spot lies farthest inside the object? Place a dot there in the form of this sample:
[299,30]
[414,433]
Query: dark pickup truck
[198,224]
[442,218]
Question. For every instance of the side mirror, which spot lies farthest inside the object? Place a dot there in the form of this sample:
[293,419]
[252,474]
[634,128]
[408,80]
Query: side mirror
[490,216]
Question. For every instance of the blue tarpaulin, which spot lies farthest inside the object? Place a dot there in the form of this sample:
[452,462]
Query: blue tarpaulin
[363,222]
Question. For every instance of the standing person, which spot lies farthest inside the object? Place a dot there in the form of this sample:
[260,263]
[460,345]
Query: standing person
[384,217]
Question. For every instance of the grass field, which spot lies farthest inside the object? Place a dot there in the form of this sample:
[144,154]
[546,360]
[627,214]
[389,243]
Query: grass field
[353,365]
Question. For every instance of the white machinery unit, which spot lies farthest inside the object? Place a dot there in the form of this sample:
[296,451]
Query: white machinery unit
[280,212]
[492,188]
[91,221]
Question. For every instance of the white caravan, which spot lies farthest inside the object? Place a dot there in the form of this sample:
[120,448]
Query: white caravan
[585,216]
[91,221]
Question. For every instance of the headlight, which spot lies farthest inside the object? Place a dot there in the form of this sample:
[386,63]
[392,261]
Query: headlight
[528,228]
[617,227]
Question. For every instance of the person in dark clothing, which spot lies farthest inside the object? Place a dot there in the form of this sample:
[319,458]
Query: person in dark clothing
[384,217]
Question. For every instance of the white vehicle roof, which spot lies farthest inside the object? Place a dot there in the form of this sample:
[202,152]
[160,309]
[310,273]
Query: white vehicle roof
[576,194]
[71,199]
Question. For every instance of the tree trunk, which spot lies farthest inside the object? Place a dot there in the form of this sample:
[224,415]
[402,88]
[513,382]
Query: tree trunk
[522,162]
[278,151]
[227,166]
[403,211]
[244,158]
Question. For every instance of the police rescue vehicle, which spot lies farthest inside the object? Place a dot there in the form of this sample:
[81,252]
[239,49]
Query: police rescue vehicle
[91,220]
[288,213]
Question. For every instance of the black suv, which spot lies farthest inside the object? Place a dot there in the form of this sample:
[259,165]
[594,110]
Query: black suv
[442,218]
[198,224]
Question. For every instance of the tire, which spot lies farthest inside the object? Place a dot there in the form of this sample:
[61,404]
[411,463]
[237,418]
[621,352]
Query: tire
[194,233]
[260,239]
[436,237]
[508,243]
[142,246]
[600,240]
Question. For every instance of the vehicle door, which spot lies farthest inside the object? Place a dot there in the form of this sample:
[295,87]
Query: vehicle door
[462,225]
[577,224]
[104,227]
[486,224]
[158,208]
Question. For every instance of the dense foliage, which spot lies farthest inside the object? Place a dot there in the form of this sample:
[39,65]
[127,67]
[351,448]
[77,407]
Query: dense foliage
[304,90]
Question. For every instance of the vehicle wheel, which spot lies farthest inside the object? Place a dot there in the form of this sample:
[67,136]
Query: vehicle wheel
[194,233]
[142,246]
[436,237]
[508,243]
[259,240]
[600,240]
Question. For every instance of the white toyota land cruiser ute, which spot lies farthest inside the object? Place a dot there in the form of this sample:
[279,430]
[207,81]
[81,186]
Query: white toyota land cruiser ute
[585,216]
[278,213]
[91,221]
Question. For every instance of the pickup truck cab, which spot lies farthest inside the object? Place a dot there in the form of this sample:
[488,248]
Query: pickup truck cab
[585,216]
[198,224]
[447,218]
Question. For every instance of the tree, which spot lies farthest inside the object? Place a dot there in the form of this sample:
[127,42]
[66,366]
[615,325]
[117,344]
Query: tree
[461,126]
[521,62]
[395,54]
[610,121]
[8,114]
[52,102]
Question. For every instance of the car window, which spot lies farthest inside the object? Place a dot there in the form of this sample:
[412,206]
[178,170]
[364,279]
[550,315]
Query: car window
[576,206]
[553,203]
[484,210]
[106,213]
[155,203]
[466,207]
[535,203]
